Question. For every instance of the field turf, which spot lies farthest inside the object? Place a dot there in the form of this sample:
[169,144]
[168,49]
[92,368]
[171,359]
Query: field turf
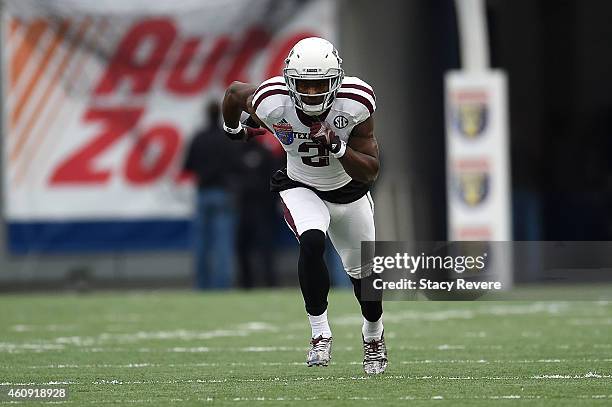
[248,349]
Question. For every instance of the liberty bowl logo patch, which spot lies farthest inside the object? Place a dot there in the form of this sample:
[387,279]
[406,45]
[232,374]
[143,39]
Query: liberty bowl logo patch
[470,114]
[472,181]
[473,187]
[284,132]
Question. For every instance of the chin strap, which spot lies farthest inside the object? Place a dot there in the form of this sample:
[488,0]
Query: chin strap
[313,113]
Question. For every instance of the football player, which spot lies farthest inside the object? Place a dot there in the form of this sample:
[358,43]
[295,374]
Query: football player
[324,122]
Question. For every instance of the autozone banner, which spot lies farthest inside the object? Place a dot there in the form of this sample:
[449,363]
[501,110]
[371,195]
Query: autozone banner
[100,98]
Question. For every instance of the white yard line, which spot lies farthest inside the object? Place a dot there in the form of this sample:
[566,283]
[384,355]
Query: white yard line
[285,399]
[589,375]
[60,343]
[285,380]
[144,365]
[551,308]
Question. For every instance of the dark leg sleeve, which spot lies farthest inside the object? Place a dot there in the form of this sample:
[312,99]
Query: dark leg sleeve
[312,271]
[371,310]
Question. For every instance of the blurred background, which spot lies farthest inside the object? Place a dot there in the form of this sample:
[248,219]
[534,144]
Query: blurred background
[103,102]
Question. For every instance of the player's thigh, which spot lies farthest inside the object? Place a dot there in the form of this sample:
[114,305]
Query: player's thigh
[304,210]
[350,225]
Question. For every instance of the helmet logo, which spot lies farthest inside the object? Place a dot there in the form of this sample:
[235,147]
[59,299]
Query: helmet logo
[340,122]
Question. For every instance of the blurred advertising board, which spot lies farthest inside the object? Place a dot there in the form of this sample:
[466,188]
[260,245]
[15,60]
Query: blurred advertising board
[477,160]
[477,156]
[100,99]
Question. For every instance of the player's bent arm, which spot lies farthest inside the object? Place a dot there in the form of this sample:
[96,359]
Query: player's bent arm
[360,160]
[235,102]
[238,98]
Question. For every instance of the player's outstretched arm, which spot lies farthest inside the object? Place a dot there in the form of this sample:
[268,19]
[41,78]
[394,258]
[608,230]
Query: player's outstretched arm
[237,99]
[360,160]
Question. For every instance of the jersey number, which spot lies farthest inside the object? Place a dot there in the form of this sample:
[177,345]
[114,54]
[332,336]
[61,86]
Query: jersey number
[320,159]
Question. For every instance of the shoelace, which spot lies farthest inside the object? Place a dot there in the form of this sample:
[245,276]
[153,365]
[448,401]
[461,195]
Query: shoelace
[372,350]
[319,344]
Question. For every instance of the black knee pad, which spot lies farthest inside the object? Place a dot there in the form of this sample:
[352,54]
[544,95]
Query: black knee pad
[312,242]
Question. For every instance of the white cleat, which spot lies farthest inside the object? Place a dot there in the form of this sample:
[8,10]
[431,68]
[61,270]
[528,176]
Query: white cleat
[320,352]
[375,356]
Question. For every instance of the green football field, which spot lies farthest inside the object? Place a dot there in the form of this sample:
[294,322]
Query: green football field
[248,349]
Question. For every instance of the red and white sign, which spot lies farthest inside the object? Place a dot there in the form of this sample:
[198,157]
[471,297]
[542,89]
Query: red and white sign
[99,105]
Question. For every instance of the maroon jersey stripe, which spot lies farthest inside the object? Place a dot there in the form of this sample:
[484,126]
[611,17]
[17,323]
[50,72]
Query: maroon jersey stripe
[360,87]
[267,94]
[267,85]
[361,99]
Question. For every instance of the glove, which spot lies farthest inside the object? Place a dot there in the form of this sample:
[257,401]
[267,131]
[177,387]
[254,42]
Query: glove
[321,133]
[251,132]
[252,128]
[245,131]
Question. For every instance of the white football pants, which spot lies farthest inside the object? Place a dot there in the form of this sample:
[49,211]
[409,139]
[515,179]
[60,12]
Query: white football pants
[346,224]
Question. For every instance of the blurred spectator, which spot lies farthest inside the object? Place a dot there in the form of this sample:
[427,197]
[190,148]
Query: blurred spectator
[211,157]
[257,226]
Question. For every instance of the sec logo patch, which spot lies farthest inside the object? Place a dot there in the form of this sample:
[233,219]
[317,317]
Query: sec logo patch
[340,122]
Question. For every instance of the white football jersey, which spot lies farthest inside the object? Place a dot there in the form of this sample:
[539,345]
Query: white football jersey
[307,161]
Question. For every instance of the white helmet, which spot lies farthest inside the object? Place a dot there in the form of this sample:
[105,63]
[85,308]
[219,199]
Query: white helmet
[313,58]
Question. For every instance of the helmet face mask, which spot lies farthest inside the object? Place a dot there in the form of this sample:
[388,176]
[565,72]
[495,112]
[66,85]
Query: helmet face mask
[313,59]
[312,91]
